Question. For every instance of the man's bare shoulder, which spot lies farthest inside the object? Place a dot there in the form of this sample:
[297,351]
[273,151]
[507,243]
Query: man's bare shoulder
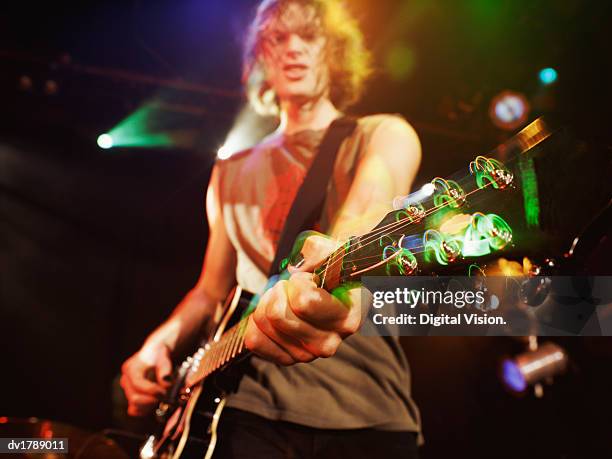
[370,123]
[266,144]
[384,129]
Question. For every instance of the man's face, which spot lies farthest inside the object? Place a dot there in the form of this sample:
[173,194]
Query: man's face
[293,54]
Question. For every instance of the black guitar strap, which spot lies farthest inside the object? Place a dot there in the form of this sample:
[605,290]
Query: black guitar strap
[307,206]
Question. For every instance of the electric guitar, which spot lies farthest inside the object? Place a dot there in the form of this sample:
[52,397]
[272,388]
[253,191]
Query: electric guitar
[447,227]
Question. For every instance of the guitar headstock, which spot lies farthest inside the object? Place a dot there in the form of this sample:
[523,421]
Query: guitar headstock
[450,224]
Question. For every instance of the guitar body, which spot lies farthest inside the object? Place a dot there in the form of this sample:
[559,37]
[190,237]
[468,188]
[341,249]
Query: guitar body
[190,419]
[195,435]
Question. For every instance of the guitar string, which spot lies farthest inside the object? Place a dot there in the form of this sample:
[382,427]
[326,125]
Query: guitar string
[400,224]
[216,357]
[465,179]
[377,231]
[415,250]
[221,357]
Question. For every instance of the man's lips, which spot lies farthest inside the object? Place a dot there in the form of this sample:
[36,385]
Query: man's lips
[295,71]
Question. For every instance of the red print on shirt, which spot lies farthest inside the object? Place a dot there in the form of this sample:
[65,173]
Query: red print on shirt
[278,199]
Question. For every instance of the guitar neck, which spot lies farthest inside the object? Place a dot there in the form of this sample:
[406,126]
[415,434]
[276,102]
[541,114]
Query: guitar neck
[217,353]
[430,233]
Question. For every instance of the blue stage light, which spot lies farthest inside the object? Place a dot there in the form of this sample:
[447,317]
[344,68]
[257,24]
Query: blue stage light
[533,367]
[512,376]
[548,76]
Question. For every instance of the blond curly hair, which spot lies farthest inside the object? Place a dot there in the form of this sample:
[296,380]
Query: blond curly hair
[348,59]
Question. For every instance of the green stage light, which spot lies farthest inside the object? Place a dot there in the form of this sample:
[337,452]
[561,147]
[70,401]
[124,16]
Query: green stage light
[400,62]
[142,128]
[105,141]
[531,200]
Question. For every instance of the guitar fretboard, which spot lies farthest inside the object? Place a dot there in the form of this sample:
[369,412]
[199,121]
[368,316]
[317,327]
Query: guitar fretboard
[217,354]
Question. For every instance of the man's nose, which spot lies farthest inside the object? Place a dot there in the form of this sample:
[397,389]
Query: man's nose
[295,45]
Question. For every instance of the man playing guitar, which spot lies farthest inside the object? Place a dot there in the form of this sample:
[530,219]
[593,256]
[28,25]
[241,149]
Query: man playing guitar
[314,388]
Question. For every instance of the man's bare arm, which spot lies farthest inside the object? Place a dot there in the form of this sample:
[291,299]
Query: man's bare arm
[182,327]
[386,170]
[297,322]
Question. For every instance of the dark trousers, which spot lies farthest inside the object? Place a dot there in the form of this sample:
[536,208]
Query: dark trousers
[244,435]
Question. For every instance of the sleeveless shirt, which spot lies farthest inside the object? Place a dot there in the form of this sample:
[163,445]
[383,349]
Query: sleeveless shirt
[367,382]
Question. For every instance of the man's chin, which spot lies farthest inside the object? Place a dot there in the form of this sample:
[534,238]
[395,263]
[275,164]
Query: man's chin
[301,97]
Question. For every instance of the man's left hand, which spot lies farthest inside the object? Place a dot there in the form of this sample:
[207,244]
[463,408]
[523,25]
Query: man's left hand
[295,321]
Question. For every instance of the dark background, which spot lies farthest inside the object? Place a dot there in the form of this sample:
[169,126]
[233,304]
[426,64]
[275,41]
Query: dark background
[97,246]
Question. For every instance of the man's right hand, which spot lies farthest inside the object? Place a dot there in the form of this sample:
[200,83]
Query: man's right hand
[146,377]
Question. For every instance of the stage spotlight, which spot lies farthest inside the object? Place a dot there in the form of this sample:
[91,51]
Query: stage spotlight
[509,110]
[147,127]
[249,128]
[105,141]
[533,367]
[548,76]
[224,152]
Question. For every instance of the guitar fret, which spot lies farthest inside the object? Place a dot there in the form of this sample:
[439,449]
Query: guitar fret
[235,337]
[232,343]
[230,340]
[333,268]
[240,329]
[221,352]
[208,356]
[238,343]
[335,256]
[226,346]
[214,356]
[205,365]
[211,365]
[218,355]
[325,271]
[206,360]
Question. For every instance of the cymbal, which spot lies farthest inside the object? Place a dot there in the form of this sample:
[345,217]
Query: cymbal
[82,444]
